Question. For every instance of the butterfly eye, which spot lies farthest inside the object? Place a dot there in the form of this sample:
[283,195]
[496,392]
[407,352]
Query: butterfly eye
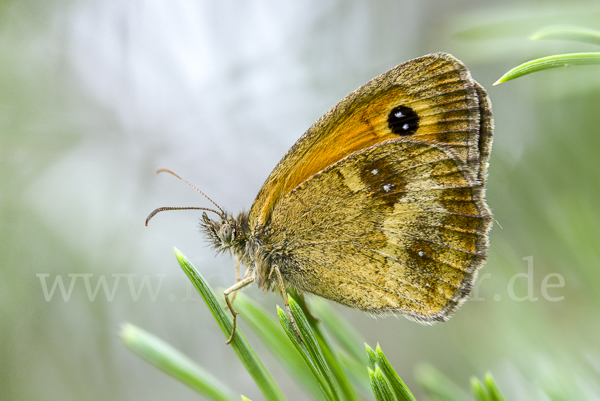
[226,233]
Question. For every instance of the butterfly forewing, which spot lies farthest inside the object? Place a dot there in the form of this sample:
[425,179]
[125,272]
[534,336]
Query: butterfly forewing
[486,129]
[432,99]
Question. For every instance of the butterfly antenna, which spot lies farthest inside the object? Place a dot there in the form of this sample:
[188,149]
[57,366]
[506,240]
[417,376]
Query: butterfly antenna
[220,212]
[160,170]
[162,209]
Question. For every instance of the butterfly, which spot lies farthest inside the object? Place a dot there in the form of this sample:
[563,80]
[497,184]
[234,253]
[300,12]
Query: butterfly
[380,205]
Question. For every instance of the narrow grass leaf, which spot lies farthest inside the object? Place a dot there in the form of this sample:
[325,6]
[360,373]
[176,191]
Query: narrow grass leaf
[380,385]
[346,390]
[312,344]
[166,358]
[479,392]
[278,343]
[492,389]
[240,345]
[400,390]
[546,63]
[571,34]
[302,347]
[371,357]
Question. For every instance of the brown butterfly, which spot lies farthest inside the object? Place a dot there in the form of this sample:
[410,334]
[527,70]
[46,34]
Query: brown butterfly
[380,205]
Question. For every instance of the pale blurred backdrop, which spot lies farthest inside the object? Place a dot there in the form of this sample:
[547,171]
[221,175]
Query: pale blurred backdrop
[95,95]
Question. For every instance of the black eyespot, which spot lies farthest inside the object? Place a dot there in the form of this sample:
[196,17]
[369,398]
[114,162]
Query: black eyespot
[403,121]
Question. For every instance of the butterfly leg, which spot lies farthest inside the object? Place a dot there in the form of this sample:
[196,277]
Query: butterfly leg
[238,277]
[275,269]
[233,288]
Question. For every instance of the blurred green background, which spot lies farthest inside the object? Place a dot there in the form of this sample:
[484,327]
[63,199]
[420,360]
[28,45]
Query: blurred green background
[95,95]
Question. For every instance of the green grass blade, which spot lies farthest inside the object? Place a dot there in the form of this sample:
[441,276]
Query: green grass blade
[166,358]
[545,63]
[246,399]
[478,390]
[303,348]
[371,357]
[571,34]
[347,391]
[240,345]
[278,343]
[400,390]
[492,389]
[312,344]
[380,385]
[438,386]
[340,375]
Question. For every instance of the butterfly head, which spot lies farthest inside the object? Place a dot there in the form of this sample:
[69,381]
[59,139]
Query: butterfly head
[226,233]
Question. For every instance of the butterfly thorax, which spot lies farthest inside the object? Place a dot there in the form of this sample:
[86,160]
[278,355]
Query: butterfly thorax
[234,235]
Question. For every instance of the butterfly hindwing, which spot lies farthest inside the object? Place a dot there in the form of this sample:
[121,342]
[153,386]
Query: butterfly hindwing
[399,227]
